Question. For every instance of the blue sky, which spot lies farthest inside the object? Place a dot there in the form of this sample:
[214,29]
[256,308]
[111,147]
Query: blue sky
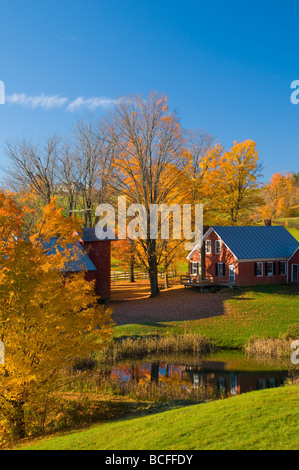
[226,67]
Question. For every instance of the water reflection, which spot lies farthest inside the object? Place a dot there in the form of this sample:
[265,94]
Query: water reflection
[231,377]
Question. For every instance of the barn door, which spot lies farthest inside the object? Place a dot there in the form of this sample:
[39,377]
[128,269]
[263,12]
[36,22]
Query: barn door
[232,273]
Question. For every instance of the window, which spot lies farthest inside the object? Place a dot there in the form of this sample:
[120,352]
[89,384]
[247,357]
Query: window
[208,247]
[272,382]
[218,247]
[269,269]
[220,269]
[260,385]
[233,384]
[194,268]
[294,273]
[282,268]
[259,269]
[221,384]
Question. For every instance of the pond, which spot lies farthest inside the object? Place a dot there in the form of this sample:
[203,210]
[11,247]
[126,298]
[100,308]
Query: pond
[227,373]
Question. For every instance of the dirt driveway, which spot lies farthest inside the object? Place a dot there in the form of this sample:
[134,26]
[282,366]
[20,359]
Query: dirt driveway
[131,303]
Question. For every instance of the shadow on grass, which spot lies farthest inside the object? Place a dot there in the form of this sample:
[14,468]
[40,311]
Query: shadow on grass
[179,304]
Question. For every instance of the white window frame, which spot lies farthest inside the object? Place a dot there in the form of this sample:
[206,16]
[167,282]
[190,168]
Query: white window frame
[218,273]
[262,270]
[270,274]
[232,269]
[192,268]
[218,244]
[208,243]
[285,268]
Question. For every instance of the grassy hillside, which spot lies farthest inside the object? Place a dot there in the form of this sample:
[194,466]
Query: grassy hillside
[294,232]
[267,419]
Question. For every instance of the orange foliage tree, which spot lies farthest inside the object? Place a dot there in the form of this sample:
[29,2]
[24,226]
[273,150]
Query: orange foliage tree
[279,195]
[47,319]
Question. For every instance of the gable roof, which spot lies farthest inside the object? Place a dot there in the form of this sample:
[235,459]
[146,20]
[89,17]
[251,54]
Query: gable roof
[257,242]
[80,260]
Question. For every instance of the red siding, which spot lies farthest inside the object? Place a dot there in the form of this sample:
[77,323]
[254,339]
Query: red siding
[225,257]
[293,260]
[244,270]
[247,275]
[100,254]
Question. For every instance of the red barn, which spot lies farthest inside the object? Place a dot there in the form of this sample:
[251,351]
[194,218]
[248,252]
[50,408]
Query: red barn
[99,252]
[244,256]
[93,256]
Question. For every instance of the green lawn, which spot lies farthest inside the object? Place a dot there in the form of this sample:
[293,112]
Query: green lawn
[294,232]
[267,419]
[263,311]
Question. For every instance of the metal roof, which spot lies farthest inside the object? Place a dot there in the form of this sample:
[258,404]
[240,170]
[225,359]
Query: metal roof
[89,235]
[259,242]
[80,260]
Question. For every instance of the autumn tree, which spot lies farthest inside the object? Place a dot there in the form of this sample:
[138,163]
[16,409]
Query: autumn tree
[93,148]
[33,165]
[279,195]
[47,319]
[232,183]
[124,251]
[149,148]
[201,154]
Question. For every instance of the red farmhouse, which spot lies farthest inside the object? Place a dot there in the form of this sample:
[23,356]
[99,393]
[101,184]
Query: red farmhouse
[243,256]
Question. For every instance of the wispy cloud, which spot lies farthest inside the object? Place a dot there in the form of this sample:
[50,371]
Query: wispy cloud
[41,101]
[91,103]
[50,102]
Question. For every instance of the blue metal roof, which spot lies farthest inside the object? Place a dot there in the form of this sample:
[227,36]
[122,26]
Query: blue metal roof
[80,260]
[258,242]
[89,235]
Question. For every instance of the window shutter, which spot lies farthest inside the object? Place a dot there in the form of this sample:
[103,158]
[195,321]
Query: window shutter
[216,269]
[266,268]
[223,269]
[279,267]
[197,268]
[274,268]
[255,269]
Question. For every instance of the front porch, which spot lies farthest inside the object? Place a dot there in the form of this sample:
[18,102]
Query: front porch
[207,282]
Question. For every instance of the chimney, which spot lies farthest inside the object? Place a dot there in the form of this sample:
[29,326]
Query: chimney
[268,223]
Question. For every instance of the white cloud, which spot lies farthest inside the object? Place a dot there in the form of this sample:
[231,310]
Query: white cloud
[47,102]
[91,103]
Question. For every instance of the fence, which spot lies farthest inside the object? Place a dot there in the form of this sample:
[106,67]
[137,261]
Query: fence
[125,275]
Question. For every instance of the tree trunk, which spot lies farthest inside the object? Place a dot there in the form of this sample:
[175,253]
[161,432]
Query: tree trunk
[153,268]
[88,217]
[166,280]
[18,419]
[132,278]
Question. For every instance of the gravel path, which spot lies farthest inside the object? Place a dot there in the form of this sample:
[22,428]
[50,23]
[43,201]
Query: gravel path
[131,304]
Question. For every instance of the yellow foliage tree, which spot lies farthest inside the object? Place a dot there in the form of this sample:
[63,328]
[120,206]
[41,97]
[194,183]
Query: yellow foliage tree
[232,183]
[279,195]
[47,318]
